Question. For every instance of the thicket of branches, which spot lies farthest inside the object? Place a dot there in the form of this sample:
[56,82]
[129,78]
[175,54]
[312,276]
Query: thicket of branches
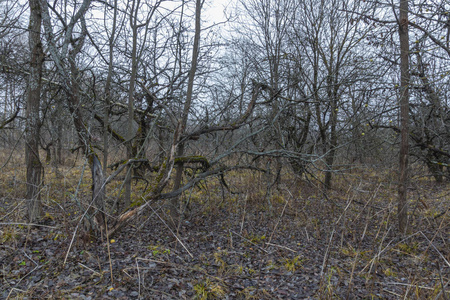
[155,91]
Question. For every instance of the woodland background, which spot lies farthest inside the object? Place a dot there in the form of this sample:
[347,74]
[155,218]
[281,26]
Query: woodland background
[288,150]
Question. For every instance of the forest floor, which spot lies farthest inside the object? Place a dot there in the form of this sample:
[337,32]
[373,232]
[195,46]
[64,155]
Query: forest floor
[290,243]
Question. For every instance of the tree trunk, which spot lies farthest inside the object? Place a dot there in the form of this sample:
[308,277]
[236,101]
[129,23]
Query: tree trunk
[131,89]
[107,91]
[404,116]
[333,96]
[33,162]
[98,194]
[70,78]
[187,106]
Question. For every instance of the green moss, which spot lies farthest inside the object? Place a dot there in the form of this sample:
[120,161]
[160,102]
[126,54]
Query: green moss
[161,173]
[193,159]
[136,203]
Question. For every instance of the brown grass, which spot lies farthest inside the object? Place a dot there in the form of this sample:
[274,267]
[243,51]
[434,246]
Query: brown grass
[342,246]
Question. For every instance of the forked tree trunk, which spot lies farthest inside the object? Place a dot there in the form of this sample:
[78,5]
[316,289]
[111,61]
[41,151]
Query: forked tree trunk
[404,116]
[70,76]
[33,162]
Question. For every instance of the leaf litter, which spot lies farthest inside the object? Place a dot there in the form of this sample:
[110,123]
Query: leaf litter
[298,246]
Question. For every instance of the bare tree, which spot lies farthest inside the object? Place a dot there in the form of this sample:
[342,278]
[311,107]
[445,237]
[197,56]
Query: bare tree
[107,92]
[14,74]
[404,114]
[309,58]
[187,104]
[64,57]
[33,162]
[136,55]
[429,124]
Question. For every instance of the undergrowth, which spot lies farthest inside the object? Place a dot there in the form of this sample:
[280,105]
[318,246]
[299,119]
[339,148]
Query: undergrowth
[245,241]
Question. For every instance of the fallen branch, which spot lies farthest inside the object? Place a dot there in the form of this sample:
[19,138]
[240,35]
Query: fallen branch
[30,224]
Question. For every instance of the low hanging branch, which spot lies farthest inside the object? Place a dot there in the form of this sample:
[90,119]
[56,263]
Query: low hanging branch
[241,121]
[167,167]
[120,167]
[9,120]
[111,131]
[157,195]
[164,174]
[418,142]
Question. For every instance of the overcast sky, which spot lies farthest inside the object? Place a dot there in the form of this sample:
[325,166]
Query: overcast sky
[214,9]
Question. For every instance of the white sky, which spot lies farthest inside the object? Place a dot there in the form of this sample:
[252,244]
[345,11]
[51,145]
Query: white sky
[214,10]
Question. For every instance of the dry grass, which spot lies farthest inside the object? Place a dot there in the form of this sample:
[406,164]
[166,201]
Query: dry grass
[342,246]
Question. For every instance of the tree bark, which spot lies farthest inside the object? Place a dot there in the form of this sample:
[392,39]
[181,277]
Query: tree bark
[131,89]
[187,106]
[333,142]
[107,98]
[33,162]
[98,193]
[404,117]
